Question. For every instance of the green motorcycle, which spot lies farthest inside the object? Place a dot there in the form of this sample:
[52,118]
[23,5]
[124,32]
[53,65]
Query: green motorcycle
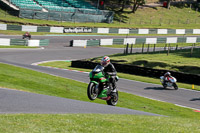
[99,85]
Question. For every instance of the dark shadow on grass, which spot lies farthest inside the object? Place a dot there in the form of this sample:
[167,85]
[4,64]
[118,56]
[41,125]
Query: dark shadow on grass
[157,88]
[118,61]
[186,69]
[149,6]
[195,99]
[120,16]
[118,55]
[145,63]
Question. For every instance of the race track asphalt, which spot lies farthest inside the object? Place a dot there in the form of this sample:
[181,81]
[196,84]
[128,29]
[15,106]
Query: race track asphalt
[14,101]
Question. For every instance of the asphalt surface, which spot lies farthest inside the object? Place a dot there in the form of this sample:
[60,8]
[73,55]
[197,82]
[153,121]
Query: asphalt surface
[14,101]
[25,57]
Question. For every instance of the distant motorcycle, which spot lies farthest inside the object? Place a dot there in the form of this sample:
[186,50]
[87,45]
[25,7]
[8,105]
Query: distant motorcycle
[170,83]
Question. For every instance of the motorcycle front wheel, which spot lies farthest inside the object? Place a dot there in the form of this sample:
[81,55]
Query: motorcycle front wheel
[114,99]
[164,86]
[92,91]
[175,86]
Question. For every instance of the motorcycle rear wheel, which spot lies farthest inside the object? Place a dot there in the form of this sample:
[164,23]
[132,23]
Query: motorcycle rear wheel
[92,91]
[114,99]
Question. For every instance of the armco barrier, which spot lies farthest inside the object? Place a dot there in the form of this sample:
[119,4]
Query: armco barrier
[14,27]
[44,42]
[98,30]
[142,71]
[166,40]
[4,42]
[18,42]
[23,42]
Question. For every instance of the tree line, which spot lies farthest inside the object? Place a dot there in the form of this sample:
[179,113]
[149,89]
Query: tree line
[133,4]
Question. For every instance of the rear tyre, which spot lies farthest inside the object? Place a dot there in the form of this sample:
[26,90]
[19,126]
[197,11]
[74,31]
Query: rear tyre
[114,99]
[92,91]
[175,86]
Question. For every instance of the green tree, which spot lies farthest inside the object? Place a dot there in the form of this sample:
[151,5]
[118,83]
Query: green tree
[129,3]
[123,4]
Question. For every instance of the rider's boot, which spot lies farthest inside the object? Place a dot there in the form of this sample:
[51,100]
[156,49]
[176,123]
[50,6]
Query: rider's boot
[109,90]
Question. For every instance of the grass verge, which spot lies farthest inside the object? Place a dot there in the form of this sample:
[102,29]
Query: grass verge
[17,46]
[180,119]
[98,123]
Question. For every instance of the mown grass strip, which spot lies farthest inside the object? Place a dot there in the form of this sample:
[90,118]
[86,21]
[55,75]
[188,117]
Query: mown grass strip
[17,46]
[98,123]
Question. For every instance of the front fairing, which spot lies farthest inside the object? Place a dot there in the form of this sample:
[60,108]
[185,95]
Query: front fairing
[97,74]
[169,84]
[172,80]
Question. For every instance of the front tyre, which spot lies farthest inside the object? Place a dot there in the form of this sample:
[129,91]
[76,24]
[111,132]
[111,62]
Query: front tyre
[164,86]
[175,86]
[113,100]
[92,91]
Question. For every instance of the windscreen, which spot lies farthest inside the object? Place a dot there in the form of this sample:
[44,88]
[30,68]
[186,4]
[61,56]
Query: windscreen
[98,68]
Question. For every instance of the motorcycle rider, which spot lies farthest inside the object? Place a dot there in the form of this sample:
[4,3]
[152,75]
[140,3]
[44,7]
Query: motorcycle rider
[109,70]
[167,75]
[27,35]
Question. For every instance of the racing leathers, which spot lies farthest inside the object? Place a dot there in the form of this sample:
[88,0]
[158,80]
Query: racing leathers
[166,78]
[111,71]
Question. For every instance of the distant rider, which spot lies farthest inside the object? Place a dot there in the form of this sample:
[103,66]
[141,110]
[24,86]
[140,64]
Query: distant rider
[167,76]
[27,35]
[109,70]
